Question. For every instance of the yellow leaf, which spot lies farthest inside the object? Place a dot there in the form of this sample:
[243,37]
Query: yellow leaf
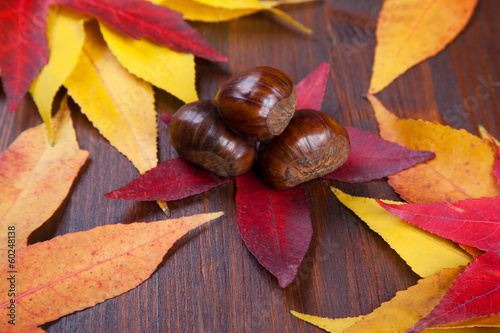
[78,270]
[36,177]
[404,310]
[167,69]
[337,325]
[65,35]
[194,11]
[119,105]
[411,31]
[225,10]
[462,169]
[424,252]
[408,306]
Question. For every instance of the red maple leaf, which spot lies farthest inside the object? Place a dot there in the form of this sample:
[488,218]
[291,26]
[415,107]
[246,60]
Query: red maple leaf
[473,222]
[23,40]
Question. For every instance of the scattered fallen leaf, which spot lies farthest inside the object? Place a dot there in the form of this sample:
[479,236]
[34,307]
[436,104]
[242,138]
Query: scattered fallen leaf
[337,325]
[311,90]
[407,307]
[65,35]
[170,180]
[78,270]
[36,177]
[474,222]
[372,157]
[117,103]
[167,69]
[462,169]
[217,11]
[411,31]
[424,252]
[23,32]
[275,225]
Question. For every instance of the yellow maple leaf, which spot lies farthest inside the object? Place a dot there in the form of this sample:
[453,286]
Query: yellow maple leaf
[35,177]
[423,251]
[411,31]
[225,10]
[120,105]
[405,309]
[65,36]
[462,169]
[165,68]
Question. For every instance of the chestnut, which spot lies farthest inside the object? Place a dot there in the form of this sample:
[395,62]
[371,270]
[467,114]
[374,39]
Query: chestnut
[200,136]
[257,103]
[312,146]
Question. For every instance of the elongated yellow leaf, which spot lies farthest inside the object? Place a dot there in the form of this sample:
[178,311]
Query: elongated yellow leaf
[225,10]
[404,310]
[462,169]
[424,252]
[65,35]
[120,105]
[194,11]
[35,178]
[411,31]
[78,270]
[337,325]
[167,69]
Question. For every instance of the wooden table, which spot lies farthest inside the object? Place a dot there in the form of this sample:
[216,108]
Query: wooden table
[209,281]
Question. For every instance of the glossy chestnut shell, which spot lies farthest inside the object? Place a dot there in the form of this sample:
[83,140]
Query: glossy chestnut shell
[257,103]
[312,146]
[200,136]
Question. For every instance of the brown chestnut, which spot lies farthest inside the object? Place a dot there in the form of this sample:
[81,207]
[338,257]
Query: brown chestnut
[257,103]
[200,136]
[312,146]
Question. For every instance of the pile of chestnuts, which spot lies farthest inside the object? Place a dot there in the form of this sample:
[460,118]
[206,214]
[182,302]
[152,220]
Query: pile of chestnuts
[258,105]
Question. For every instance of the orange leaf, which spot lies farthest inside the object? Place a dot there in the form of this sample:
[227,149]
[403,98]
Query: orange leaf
[36,177]
[78,270]
[462,169]
[411,31]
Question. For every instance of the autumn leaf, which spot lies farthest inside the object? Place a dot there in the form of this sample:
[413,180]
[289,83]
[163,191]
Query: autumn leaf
[171,180]
[311,90]
[218,11]
[371,157]
[474,222]
[167,69]
[78,270]
[411,31]
[424,252]
[36,177]
[23,33]
[462,169]
[117,103]
[275,225]
[407,307]
[65,36]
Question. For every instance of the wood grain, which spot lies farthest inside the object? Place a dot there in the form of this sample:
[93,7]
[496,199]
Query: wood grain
[209,282]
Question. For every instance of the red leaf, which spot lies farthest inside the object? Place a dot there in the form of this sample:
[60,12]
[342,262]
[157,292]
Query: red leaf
[311,89]
[372,157]
[23,41]
[170,180]
[475,293]
[275,225]
[474,222]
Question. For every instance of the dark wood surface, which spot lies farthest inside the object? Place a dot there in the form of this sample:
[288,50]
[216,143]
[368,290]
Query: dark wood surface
[209,282]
